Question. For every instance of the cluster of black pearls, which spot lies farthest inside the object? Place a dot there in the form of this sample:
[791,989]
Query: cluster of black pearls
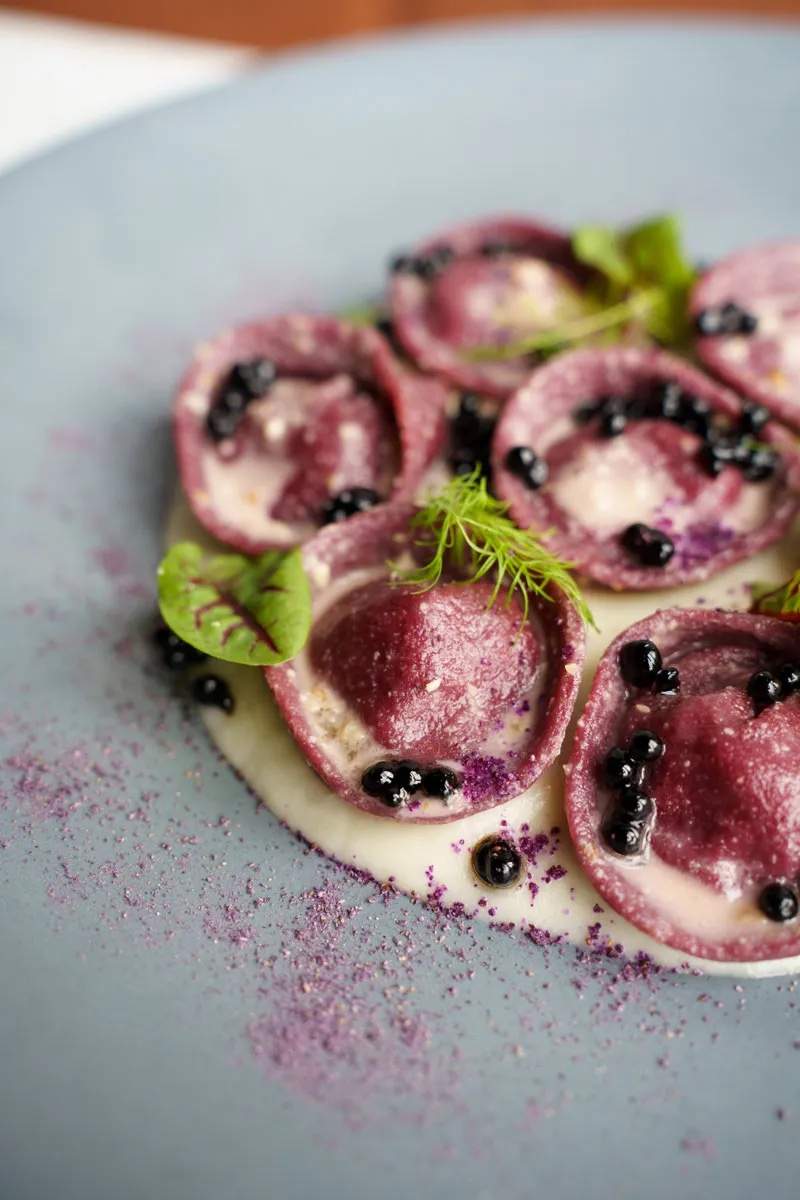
[766,688]
[176,654]
[395,781]
[641,666]
[496,862]
[525,463]
[470,436]
[725,320]
[666,401]
[246,381]
[629,820]
[779,901]
[347,503]
[424,266]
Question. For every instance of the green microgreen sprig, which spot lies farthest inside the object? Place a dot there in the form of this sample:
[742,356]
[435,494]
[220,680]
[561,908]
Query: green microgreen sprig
[468,531]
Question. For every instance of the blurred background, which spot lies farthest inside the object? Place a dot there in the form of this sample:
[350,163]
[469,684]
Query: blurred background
[66,65]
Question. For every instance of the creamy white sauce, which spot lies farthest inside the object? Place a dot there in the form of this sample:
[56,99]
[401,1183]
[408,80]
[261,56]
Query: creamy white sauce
[421,858]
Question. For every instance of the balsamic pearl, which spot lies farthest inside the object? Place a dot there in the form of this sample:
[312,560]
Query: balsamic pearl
[639,663]
[621,770]
[613,422]
[496,862]
[667,400]
[763,689]
[693,414]
[402,264]
[441,782]
[526,464]
[753,418]
[709,322]
[778,901]
[760,464]
[392,782]
[348,503]
[632,802]
[623,835]
[222,421]
[650,546]
[253,377]
[644,746]
[789,678]
[213,691]
[175,653]
[667,681]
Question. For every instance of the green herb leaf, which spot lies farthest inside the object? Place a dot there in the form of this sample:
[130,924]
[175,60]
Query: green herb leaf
[255,611]
[642,279]
[602,248]
[464,525]
[362,314]
[783,601]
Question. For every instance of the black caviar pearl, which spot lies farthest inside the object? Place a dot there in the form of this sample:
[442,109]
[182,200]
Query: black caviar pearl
[525,463]
[470,426]
[639,663]
[402,264]
[211,690]
[348,503]
[693,414]
[254,377]
[709,322]
[667,681]
[645,746]
[175,653]
[666,400]
[650,546]
[624,835]
[763,689]
[440,256]
[631,801]
[778,901]
[392,782]
[496,862]
[789,678]
[761,463]
[748,322]
[622,770]
[613,422]
[736,320]
[753,418]
[495,248]
[441,782]
[222,421]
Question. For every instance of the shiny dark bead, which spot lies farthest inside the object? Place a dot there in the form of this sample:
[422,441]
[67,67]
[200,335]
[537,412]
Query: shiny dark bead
[761,463]
[639,663]
[667,681]
[223,422]
[402,264]
[763,689]
[470,426]
[712,462]
[779,902]
[440,256]
[624,835]
[748,323]
[496,862]
[753,418]
[613,422]
[650,547]
[693,414]
[621,770]
[731,315]
[253,377]
[175,653]
[789,678]
[393,782]
[213,691]
[666,400]
[633,802]
[525,463]
[441,782]
[709,322]
[348,503]
[645,746]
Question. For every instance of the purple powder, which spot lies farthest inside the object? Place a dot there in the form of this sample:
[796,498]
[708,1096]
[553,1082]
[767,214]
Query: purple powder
[484,775]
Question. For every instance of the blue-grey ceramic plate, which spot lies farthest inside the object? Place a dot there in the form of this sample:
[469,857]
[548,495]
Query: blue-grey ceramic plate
[193,1004]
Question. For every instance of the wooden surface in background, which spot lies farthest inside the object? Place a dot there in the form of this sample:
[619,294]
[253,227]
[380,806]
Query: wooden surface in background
[271,23]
